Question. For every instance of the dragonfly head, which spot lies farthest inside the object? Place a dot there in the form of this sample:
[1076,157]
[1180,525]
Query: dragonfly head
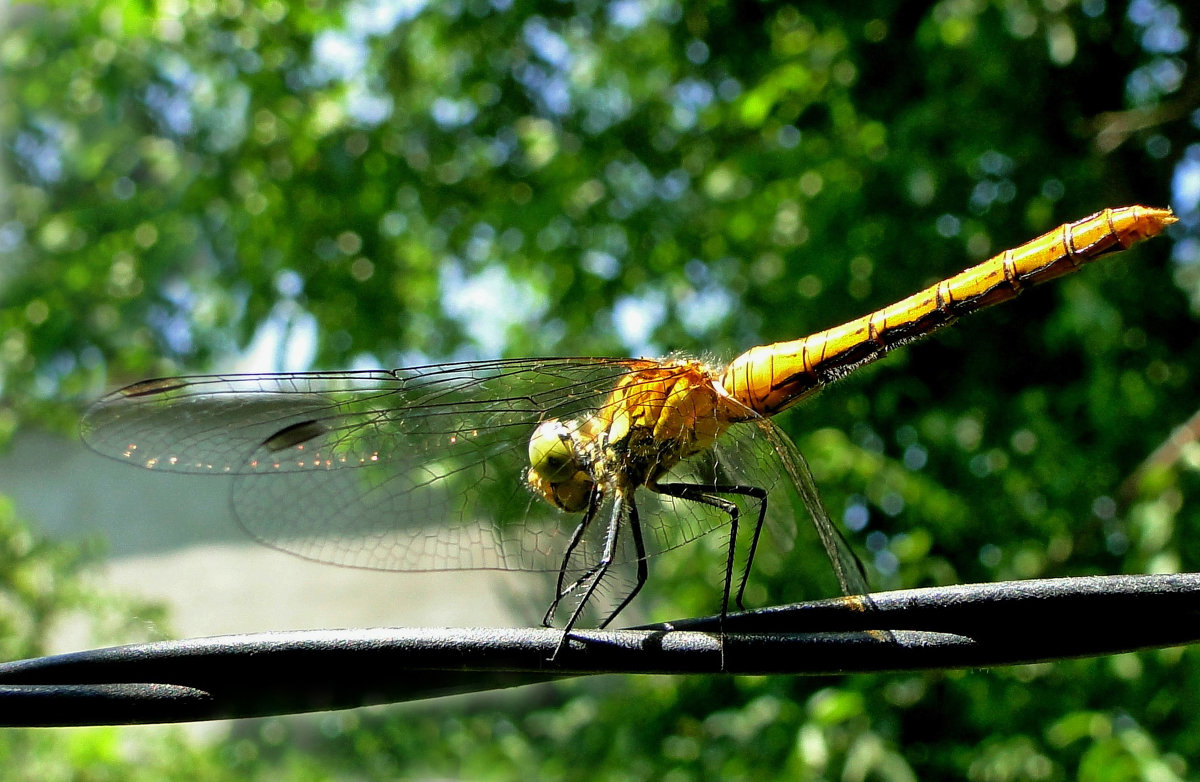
[556,473]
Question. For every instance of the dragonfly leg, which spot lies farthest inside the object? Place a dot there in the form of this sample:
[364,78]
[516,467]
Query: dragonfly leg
[759,494]
[635,529]
[705,494]
[561,591]
[595,574]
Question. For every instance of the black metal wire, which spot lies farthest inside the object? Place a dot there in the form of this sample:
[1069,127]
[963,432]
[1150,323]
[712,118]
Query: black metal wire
[285,672]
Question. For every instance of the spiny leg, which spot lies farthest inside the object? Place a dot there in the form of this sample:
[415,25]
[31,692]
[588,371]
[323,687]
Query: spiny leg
[704,494]
[594,503]
[596,573]
[635,529]
[760,494]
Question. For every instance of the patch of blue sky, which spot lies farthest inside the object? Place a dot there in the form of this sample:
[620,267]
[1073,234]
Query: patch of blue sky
[338,55]
[381,17]
[12,237]
[174,97]
[343,54]
[40,154]
[1160,23]
[1185,199]
[628,13]
[548,45]
[691,96]
[704,310]
[366,105]
[488,304]
[631,183]
[551,90]
[601,264]
[604,106]
[449,113]
[673,185]
[286,341]
[636,318]
[1185,184]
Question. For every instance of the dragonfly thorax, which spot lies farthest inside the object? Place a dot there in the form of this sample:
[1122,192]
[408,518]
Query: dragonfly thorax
[654,419]
[569,461]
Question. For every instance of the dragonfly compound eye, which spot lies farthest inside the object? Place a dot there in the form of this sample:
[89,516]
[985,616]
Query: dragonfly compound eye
[552,453]
[555,471]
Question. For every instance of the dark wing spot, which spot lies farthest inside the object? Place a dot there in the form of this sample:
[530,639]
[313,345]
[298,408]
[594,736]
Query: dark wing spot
[293,435]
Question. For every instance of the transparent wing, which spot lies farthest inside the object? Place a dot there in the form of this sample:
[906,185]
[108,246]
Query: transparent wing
[411,469]
[424,468]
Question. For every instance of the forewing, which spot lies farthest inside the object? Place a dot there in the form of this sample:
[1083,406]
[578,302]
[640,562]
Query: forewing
[414,469]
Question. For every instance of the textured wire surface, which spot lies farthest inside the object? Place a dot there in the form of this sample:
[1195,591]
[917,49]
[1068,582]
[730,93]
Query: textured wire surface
[259,674]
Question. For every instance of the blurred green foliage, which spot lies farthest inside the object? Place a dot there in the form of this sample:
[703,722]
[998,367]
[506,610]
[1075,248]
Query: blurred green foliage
[409,181]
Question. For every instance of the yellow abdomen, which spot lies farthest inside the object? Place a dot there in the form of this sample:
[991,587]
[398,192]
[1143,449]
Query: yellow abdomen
[771,378]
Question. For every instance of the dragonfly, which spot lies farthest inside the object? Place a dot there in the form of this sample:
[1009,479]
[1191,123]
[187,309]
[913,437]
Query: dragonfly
[581,467]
